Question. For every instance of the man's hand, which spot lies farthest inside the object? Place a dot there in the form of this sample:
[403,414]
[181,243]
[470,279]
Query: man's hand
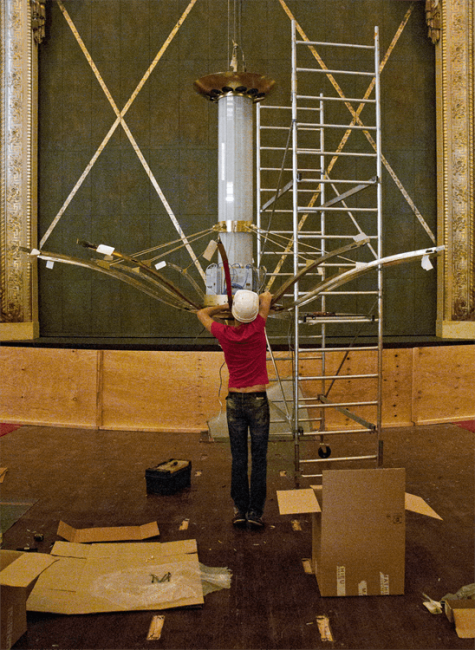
[265,300]
[205,314]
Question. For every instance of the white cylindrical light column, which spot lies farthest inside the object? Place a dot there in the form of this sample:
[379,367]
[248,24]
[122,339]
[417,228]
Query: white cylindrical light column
[235,94]
[235,173]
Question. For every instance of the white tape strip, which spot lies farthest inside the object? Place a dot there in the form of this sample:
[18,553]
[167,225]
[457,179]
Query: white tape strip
[105,250]
[160,265]
[384,583]
[363,588]
[341,581]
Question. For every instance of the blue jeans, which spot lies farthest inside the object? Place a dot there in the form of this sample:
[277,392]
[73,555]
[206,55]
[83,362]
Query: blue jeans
[248,412]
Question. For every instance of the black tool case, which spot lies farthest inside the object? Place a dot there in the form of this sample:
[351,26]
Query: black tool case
[168,477]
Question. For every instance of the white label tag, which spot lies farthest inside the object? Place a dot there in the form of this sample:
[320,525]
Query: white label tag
[384,584]
[49,264]
[160,265]
[363,588]
[210,250]
[340,581]
[105,250]
[426,263]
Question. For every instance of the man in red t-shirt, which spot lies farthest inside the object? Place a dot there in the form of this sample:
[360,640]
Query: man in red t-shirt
[247,407]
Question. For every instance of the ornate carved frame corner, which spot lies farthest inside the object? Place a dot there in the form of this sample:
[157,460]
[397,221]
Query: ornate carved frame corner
[455,63]
[18,169]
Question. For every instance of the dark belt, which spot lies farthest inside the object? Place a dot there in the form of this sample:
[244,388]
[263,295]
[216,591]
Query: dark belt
[261,393]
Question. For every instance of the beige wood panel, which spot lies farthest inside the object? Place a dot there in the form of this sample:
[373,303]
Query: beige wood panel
[444,384]
[160,391]
[48,386]
[397,388]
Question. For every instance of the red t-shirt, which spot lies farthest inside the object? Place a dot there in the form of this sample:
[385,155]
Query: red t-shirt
[245,352]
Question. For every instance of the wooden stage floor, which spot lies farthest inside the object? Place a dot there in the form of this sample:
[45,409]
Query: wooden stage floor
[97,478]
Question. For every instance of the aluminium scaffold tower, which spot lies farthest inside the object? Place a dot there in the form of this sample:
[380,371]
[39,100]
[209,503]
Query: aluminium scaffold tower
[319,212]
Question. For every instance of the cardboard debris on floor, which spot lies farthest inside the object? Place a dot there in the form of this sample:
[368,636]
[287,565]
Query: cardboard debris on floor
[156,626]
[111,534]
[358,529]
[18,572]
[462,614]
[87,579]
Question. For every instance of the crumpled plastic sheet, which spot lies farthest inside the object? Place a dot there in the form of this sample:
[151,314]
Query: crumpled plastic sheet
[436,607]
[150,586]
[468,591]
[215,578]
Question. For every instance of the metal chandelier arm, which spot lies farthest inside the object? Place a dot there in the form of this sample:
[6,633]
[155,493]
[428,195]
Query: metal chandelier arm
[359,270]
[103,267]
[339,251]
[147,271]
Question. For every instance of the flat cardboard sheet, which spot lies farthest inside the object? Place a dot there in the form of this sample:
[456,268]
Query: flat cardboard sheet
[24,568]
[113,534]
[114,577]
[296,502]
[417,504]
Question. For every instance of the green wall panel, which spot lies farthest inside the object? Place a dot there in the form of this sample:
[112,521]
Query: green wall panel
[176,132]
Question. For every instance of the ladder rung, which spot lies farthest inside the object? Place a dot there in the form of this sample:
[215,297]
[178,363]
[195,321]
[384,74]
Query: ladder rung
[333,377]
[319,405]
[360,47]
[338,209]
[319,152]
[360,100]
[336,433]
[365,348]
[335,126]
[327,71]
[336,460]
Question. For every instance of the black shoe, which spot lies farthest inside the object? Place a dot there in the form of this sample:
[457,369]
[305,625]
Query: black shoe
[255,520]
[239,518]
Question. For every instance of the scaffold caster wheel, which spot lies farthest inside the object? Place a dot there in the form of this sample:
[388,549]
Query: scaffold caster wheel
[324,451]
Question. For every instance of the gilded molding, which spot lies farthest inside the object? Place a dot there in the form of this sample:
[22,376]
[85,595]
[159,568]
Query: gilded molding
[455,60]
[16,290]
[433,19]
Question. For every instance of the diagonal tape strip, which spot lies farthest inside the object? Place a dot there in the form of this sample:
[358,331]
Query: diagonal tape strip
[355,114]
[120,120]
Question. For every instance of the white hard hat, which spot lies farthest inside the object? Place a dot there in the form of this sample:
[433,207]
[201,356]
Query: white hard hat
[245,306]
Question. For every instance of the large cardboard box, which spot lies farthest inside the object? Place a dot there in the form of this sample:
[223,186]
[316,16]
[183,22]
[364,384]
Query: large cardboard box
[358,530]
[18,573]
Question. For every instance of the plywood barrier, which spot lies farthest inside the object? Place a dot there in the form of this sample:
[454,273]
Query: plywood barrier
[179,391]
[443,384]
[160,391]
[51,387]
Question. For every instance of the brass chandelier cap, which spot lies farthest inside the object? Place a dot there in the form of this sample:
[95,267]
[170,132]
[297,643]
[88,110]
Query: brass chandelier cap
[247,84]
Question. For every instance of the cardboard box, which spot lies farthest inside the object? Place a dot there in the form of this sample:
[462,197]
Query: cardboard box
[88,579]
[18,572]
[462,614]
[358,530]
[110,534]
